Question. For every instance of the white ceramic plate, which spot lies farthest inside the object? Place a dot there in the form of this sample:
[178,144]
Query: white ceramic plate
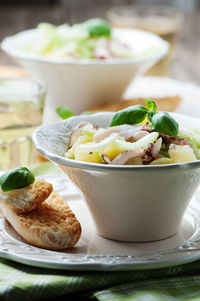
[94,252]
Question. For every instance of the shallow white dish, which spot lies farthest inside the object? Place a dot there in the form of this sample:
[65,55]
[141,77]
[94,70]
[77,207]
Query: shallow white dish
[94,252]
[82,83]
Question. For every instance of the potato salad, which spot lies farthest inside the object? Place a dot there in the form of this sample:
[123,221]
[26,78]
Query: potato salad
[138,135]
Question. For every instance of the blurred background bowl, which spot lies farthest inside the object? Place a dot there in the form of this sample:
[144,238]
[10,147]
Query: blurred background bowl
[82,83]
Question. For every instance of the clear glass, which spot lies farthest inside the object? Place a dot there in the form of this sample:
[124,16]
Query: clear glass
[21,109]
[161,20]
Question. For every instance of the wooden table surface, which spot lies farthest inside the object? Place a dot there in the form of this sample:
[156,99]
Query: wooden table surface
[186,65]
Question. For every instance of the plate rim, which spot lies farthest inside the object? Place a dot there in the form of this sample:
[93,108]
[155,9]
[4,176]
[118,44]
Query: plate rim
[100,262]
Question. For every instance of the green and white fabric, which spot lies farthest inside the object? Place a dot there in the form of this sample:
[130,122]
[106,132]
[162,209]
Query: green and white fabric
[22,282]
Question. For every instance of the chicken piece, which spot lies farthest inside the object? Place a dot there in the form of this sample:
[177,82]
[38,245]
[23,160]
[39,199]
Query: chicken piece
[125,130]
[156,148]
[152,152]
[167,138]
[76,132]
[139,135]
[124,157]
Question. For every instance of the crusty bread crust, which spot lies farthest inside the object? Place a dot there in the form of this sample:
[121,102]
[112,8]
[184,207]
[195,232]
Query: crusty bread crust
[52,225]
[168,103]
[27,198]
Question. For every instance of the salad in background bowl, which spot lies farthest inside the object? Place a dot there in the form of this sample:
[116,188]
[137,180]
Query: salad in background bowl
[84,65]
[129,202]
[92,39]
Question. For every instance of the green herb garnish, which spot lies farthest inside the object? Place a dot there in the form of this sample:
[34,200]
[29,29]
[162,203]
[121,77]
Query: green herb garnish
[151,105]
[97,27]
[163,122]
[131,115]
[64,112]
[159,121]
[89,112]
[15,179]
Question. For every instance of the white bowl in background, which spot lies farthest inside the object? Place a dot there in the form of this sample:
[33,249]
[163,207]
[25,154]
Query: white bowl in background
[128,203]
[82,83]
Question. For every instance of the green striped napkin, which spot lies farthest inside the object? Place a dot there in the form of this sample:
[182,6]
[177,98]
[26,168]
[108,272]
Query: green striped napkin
[21,282]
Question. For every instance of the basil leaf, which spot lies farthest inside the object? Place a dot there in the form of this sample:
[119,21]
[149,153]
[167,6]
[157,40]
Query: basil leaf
[151,105]
[88,112]
[17,178]
[150,115]
[131,115]
[97,27]
[64,112]
[163,122]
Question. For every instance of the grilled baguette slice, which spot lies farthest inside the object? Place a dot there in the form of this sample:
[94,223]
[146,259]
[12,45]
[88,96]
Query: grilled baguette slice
[52,225]
[27,198]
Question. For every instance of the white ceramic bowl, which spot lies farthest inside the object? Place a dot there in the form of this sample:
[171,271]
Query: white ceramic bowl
[128,203]
[82,83]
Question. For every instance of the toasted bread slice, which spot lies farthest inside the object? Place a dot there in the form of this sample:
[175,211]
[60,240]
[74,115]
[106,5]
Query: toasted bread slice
[169,104]
[27,198]
[52,225]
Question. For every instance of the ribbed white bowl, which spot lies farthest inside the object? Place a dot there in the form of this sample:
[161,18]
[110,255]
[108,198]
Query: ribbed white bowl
[128,203]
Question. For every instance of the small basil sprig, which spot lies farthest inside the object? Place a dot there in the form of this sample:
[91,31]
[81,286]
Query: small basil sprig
[163,122]
[151,105]
[131,115]
[97,27]
[64,112]
[159,121]
[17,178]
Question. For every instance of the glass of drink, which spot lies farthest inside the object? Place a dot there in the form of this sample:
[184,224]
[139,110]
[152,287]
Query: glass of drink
[161,20]
[21,108]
